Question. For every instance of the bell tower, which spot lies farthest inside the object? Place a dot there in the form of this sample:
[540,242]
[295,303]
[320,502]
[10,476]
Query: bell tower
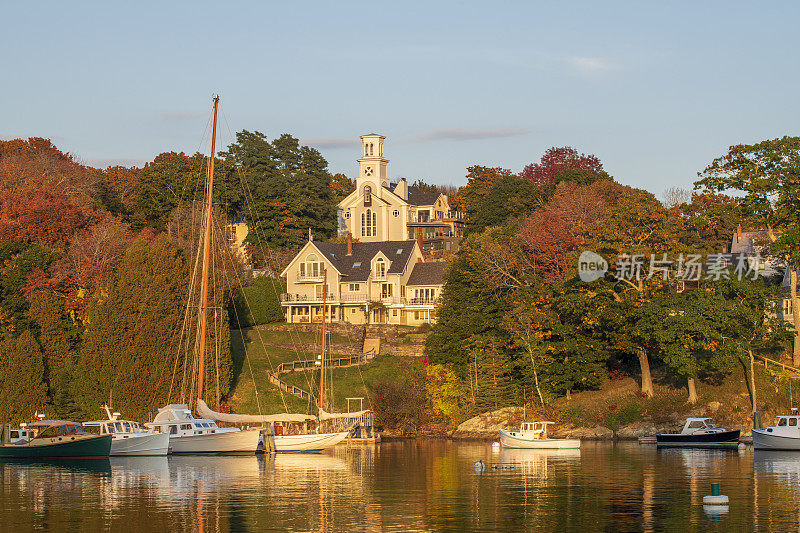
[372,165]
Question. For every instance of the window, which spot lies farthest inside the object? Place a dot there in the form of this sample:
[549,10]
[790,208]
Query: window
[357,265]
[782,422]
[386,290]
[394,312]
[186,426]
[347,214]
[380,269]
[792,421]
[173,430]
[399,251]
[396,213]
[353,311]
[312,267]
[369,223]
[367,192]
[402,291]
[355,287]
[420,315]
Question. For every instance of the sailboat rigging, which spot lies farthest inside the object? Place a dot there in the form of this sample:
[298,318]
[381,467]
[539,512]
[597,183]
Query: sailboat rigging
[189,434]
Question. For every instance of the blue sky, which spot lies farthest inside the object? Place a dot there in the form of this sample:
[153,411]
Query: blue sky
[656,90]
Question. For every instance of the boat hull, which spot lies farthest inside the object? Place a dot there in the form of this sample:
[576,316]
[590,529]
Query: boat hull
[226,442]
[767,441]
[147,444]
[725,439]
[510,441]
[77,447]
[312,442]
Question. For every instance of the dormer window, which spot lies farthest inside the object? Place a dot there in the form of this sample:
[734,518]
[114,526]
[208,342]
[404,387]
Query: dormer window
[380,268]
[367,190]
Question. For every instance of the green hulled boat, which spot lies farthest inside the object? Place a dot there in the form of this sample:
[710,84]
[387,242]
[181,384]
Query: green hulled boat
[55,439]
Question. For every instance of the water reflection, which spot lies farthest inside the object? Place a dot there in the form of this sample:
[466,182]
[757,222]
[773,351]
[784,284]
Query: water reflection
[408,486]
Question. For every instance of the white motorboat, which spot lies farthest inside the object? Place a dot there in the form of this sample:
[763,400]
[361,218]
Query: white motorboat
[188,434]
[128,438]
[533,435]
[785,435]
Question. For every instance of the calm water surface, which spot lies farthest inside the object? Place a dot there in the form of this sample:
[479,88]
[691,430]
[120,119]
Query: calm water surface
[408,486]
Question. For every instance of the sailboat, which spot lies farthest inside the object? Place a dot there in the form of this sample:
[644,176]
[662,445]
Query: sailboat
[186,433]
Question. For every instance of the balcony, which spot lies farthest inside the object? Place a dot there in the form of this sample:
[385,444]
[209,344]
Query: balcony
[440,216]
[287,299]
[301,278]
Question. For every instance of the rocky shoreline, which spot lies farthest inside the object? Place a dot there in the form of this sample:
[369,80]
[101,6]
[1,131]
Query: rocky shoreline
[486,427]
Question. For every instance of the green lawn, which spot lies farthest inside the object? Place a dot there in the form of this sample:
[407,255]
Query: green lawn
[265,349]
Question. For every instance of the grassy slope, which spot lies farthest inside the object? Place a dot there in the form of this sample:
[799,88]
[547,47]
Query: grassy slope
[266,349]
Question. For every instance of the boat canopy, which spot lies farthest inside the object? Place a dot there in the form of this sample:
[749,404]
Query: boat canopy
[205,411]
[324,415]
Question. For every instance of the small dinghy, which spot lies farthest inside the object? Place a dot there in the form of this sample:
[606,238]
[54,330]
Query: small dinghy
[700,433]
[533,435]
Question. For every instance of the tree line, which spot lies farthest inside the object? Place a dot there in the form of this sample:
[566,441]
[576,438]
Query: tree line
[516,321]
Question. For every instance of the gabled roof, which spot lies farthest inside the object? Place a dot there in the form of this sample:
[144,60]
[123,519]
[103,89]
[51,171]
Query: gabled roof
[398,253]
[417,197]
[427,273]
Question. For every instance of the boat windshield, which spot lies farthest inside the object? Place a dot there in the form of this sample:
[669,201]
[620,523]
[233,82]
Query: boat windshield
[781,421]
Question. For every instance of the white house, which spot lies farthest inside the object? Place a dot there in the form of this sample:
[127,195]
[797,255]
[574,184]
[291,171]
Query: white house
[367,283]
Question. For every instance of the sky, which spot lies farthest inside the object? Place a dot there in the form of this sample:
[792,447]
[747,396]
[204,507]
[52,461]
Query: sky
[655,90]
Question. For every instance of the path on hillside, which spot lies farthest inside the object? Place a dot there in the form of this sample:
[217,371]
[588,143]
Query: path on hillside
[313,364]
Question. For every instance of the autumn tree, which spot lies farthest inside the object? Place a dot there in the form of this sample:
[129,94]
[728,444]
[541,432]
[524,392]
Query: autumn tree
[564,164]
[765,180]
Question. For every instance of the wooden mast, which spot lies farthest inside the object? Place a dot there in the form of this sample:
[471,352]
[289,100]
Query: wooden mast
[206,260]
[322,359]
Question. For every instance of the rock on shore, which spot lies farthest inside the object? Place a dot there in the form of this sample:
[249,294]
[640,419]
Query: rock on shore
[486,426]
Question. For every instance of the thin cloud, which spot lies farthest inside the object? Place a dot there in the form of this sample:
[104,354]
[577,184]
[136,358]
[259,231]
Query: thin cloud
[330,142]
[461,134]
[590,65]
[114,162]
[181,115]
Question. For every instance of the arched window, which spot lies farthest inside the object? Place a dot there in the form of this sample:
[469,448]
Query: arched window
[370,148]
[367,195]
[380,268]
[311,267]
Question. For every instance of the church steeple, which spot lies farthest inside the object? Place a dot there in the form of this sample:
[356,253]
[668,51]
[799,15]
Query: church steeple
[372,165]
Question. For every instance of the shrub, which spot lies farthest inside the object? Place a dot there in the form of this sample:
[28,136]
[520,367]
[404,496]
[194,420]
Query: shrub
[263,297]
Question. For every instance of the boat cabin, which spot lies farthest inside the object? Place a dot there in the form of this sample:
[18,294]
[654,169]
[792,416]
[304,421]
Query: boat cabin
[697,425]
[787,425]
[529,430]
[114,427]
[48,429]
[177,420]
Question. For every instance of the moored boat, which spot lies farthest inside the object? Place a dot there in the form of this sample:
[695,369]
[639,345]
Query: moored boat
[700,433]
[128,438]
[533,435]
[188,434]
[785,435]
[55,439]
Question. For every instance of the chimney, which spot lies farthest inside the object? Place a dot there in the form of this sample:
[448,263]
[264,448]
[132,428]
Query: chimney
[349,243]
[739,233]
[401,189]
[724,249]
[419,240]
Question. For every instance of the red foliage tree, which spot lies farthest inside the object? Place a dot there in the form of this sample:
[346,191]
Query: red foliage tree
[556,161]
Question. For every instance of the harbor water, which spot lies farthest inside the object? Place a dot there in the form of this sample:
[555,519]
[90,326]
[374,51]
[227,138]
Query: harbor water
[417,485]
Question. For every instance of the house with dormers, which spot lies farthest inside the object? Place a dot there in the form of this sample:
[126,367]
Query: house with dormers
[367,283]
[378,210]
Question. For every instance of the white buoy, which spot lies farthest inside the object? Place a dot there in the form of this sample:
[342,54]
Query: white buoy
[715,498]
[479,466]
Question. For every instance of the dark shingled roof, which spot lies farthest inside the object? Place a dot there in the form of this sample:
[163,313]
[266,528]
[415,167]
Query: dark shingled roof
[417,197]
[427,273]
[364,252]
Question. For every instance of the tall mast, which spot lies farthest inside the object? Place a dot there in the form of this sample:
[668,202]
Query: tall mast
[206,259]
[322,359]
